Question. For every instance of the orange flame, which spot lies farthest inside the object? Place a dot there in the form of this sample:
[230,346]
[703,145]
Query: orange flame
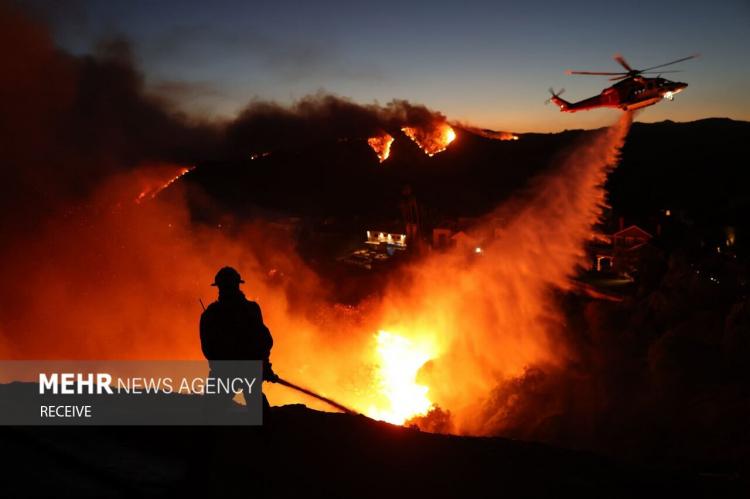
[433,140]
[400,359]
[381,145]
[506,136]
[155,186]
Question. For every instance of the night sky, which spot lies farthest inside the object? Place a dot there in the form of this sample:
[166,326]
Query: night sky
[489,63]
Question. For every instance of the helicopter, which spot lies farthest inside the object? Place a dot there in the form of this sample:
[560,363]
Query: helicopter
[632,90]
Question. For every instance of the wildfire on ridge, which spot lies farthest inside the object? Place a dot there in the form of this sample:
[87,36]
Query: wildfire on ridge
[431,140]
[501,135]
[399,361]
[486,132]
[152,191]
[381,145]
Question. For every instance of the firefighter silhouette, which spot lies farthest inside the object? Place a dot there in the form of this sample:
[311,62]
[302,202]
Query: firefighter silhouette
[232,328]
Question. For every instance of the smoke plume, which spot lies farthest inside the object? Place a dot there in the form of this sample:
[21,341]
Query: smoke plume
[265,126]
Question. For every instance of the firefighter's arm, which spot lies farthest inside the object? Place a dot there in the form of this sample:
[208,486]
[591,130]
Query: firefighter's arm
[268,374]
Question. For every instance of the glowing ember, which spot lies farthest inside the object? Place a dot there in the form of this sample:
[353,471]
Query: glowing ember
[400,360]
[381,145]
[152,191]
[432,140]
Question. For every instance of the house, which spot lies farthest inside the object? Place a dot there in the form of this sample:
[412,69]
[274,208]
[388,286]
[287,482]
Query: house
[388,240]
[629,238]
[620,252]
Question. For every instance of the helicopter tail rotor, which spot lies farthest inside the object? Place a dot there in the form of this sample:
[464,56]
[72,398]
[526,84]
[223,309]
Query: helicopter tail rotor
[554,94]
[562,104]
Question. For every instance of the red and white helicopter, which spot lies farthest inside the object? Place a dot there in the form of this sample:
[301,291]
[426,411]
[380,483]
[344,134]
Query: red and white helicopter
[632,91]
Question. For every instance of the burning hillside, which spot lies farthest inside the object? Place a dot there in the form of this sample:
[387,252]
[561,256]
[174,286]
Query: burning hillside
[487,133]
[314,119]
[163,177]
[433,139]
[381,145]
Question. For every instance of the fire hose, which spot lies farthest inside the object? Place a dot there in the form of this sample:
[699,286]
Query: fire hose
[300,389]
[311,393]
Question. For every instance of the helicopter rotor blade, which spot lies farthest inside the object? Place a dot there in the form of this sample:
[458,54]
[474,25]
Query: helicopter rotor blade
[617,78]
[670,63]
[597,73]
[663,72]
[619,58]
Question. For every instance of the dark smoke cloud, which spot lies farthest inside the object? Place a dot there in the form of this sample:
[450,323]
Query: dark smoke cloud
[265,126]
[68,122]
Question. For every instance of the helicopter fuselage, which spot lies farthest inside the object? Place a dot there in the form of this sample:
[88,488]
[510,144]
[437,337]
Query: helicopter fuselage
[628,95]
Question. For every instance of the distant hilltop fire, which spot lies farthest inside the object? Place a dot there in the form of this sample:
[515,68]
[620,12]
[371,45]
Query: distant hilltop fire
[264,127]
[158,177]
[487,133]
[432,139]
[381,145]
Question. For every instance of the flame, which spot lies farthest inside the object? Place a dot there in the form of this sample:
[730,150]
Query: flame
[400,359]
[433,140]
[381,145]
[156,186]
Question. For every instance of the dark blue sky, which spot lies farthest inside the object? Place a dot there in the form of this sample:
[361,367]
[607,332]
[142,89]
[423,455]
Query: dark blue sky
[489,63]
